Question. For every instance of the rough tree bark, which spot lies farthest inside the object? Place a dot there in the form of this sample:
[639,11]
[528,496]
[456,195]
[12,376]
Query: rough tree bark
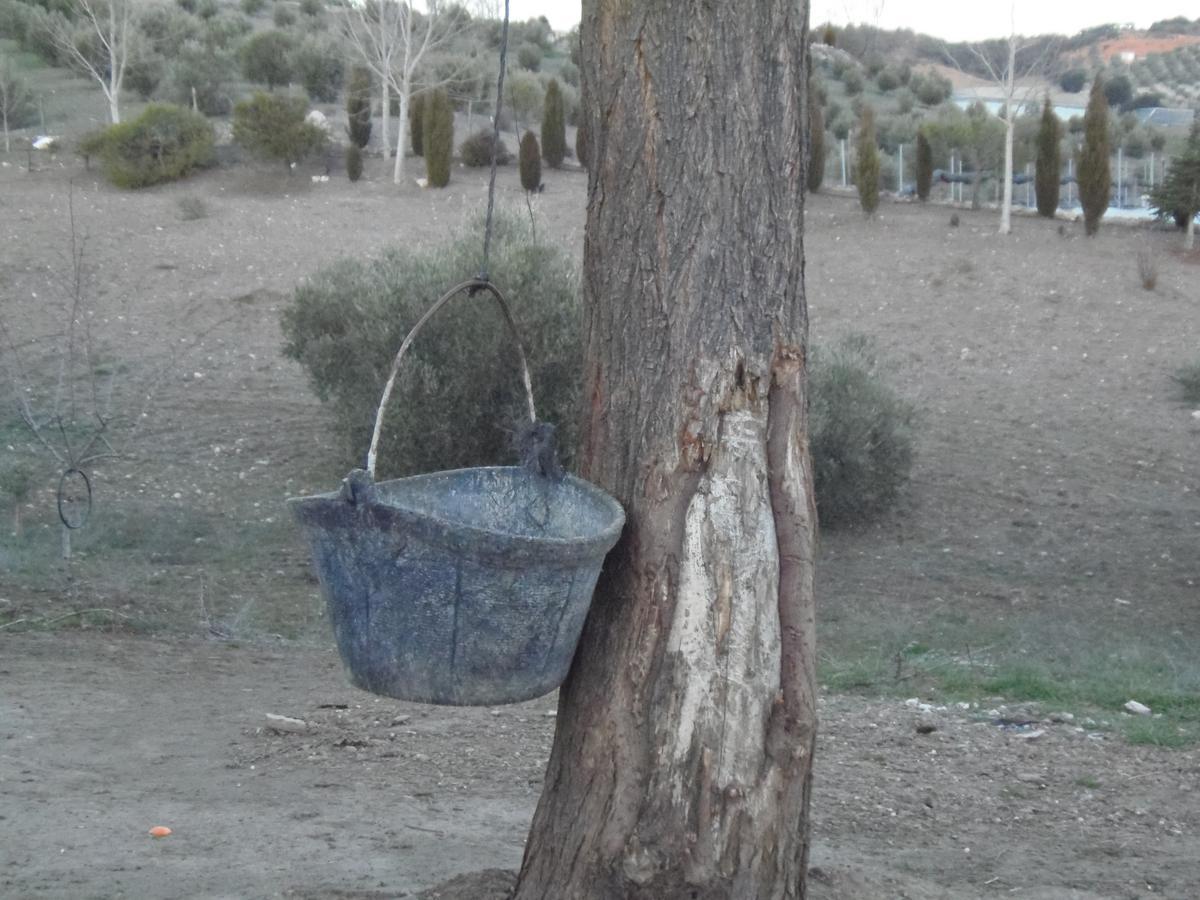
[682,761]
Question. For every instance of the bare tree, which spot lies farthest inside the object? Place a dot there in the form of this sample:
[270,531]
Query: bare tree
[15,98]
[393,39]
[1004,73]
[682,758]
[110,23]
[61,386]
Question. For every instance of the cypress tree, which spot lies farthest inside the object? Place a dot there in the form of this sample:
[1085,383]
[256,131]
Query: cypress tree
[924,166]
[358,107]
[816,145]
[866,175]
[1049,165]
[354,164]
[1178,196]
[530,160]
[416,124]
[1094,177]
[438,128]
[554,136]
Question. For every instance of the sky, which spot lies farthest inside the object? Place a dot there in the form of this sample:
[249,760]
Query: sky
[954,20]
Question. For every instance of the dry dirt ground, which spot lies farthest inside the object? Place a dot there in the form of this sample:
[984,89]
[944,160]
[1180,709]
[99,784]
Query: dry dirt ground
[103,737]
[1055,493]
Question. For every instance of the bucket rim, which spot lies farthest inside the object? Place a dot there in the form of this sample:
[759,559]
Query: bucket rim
[333,509]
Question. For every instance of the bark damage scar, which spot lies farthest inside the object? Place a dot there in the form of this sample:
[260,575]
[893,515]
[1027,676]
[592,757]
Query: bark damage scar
[794,512]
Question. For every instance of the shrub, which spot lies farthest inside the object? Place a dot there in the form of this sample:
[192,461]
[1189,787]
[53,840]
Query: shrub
[354,162]
[860,433]
[924,166]
[143,74]
[266,58]
[226,32]
[853,82]
[525,95]
[887,80]
[1094,177]
[1188,380]
[312,8]
[1073,80]
[92,144]
[815,174]
[358,107]
[569,72]
[438,138]
[529,57]
[253,7]
[866,170]
[17,483]
[207,9]
[273,127]
[164,143]
[1118,91]
[554,134]
[459,395]
[477,150]
[416,124]
[1049,166]
[317,65]
[192,208]
[530,162]
[206,73]
[282,16]
[17,108]
[931,88]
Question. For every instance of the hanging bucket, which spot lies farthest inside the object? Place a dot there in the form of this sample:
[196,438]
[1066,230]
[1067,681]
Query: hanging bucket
[467,587]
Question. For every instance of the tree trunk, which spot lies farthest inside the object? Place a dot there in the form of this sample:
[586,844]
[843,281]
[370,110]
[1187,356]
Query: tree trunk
[402,133]
[1189,238]
[682,762]
[387,110]
[1010,115]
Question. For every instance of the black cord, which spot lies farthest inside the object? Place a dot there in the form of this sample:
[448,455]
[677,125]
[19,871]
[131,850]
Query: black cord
[487,228]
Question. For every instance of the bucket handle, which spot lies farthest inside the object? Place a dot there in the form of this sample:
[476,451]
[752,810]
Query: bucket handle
[469,287]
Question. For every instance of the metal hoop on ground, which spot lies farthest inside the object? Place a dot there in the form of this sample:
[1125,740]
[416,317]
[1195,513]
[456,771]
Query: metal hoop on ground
[74,498]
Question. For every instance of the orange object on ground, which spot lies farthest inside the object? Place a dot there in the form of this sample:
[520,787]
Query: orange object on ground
[160,831]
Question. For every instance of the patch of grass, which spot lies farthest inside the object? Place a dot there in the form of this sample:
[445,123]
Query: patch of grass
[1087,781]
[1024,682]
[192,208]
[1037,658]
[1165,732]
[1188,379]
